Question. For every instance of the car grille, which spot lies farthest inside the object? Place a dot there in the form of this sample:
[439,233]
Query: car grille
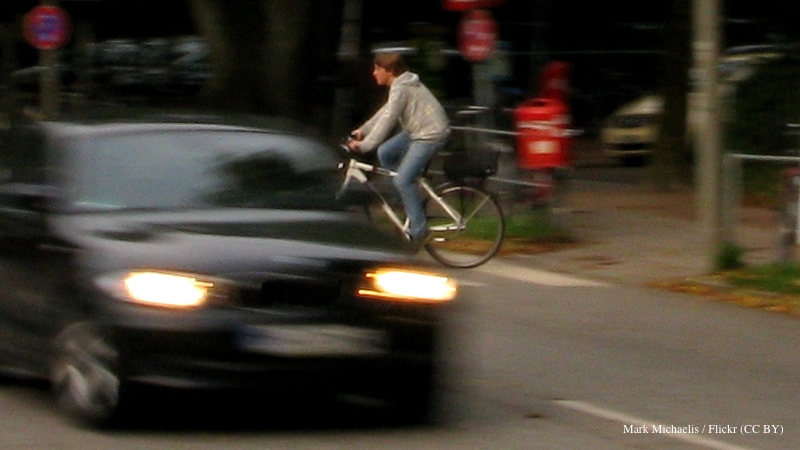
[634,120]
[633,146]
[293,292]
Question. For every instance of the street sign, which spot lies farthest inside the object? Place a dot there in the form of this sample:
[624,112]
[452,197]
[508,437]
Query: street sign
[47,27]
[477,35]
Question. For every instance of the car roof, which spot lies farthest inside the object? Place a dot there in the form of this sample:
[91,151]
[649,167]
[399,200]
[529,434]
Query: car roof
[117,120]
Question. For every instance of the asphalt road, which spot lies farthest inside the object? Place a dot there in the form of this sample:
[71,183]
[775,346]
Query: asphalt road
[534,360]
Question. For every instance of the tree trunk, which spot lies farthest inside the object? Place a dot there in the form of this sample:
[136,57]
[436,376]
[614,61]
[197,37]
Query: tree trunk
[266,54]
[671,163]
[235,33]
[288,58]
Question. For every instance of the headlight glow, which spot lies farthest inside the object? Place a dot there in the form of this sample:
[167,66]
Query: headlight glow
[407,285]
[163,289]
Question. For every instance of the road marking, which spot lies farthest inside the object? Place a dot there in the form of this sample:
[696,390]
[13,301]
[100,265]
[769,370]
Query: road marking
[529,275]
[695,439]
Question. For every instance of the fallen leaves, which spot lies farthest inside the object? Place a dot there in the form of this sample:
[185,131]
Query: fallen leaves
[714,287]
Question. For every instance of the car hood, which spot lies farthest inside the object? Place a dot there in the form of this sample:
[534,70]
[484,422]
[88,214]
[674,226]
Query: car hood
[224,242]
[647,105]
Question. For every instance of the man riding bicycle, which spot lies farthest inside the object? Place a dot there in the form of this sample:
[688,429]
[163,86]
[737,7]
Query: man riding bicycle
[424,130]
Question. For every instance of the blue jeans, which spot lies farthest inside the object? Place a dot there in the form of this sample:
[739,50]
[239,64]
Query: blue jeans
[409,158]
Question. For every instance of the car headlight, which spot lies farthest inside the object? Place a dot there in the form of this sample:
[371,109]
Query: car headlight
[408,285]
[163,289]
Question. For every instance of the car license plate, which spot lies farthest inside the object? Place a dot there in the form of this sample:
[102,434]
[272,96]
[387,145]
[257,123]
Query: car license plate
[312,340]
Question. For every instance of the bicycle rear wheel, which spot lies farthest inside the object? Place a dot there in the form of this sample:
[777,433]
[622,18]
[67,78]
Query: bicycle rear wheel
[470,241]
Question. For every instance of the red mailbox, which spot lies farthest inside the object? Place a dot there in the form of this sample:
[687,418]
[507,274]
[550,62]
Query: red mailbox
[542,126]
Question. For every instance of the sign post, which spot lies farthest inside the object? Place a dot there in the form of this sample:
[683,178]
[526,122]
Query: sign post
[47,28]
[477,38]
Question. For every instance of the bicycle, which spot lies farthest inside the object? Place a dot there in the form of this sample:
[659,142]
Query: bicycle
[466,225]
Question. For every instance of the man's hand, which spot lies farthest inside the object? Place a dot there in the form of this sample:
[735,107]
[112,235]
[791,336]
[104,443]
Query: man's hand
[353,144]
[356,136]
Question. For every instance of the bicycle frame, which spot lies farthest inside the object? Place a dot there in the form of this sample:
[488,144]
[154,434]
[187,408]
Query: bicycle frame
[357,170]
[457,213]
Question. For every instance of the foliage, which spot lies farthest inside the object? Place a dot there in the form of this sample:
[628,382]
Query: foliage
[534,225]
[762,105]
[762,184]
[783,278]
[758,113]
[730,256]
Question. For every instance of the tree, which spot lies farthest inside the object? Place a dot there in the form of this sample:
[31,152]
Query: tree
[671,162]
[268,55]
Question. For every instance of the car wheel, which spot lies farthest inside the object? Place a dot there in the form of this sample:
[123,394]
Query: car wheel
[84,376]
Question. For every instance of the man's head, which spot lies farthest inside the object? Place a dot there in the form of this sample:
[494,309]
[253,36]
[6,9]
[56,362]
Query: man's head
[386,67]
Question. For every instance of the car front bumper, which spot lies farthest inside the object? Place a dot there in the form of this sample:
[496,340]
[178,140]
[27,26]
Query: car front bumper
[223,354]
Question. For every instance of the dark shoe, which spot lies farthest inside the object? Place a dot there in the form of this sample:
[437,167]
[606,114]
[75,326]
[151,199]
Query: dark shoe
[419,242]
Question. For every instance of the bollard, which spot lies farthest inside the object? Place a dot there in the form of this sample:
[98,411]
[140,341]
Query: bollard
[788,232]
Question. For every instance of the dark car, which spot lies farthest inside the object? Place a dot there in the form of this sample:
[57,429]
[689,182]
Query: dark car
[191,252]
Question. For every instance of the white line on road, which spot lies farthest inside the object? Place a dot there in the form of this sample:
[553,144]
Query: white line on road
[529,275]
[695,439]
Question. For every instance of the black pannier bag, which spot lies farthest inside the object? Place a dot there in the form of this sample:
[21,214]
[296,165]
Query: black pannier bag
[468,161]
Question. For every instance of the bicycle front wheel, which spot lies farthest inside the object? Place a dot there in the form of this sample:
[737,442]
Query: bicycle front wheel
[466,227]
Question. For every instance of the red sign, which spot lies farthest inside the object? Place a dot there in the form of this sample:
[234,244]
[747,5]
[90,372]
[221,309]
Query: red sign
[477,34]
[47,27]
[465,5]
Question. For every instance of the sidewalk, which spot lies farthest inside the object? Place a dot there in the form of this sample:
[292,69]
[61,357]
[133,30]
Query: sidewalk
[632,234]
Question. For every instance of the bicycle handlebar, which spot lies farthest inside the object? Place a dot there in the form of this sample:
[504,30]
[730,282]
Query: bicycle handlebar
[344,144]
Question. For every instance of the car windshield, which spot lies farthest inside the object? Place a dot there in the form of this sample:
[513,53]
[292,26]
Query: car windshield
[200,170]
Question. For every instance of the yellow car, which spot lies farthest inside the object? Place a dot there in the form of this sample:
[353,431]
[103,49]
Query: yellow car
[631,131]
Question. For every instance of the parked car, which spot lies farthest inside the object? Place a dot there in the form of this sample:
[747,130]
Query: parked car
[118,63]
[187,251]
[739,63]
[155,58]
[190,68]
[632,130]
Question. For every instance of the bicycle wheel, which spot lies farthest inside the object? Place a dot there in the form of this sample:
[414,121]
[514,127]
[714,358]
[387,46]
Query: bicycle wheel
[470,241]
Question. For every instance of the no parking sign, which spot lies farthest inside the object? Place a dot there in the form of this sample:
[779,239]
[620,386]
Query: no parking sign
[47,27]
[477,33]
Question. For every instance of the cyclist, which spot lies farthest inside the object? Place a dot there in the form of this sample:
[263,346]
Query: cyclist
[424,130]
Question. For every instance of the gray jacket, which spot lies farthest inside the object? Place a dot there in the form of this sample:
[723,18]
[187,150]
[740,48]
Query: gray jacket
[411,105]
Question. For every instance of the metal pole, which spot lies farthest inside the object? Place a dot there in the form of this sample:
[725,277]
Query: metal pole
[49,82]
[708,146]
[731,196]
[49,85]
